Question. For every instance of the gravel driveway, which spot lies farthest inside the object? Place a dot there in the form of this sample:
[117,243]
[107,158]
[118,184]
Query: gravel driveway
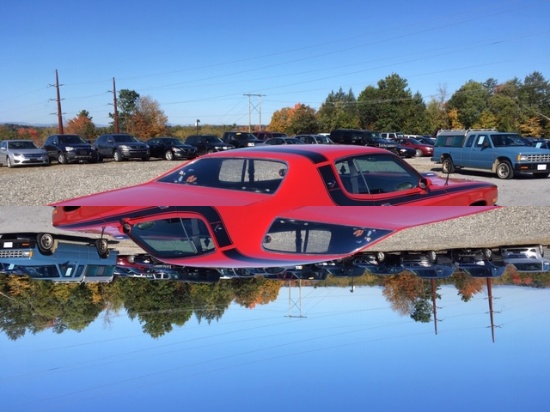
[37,186]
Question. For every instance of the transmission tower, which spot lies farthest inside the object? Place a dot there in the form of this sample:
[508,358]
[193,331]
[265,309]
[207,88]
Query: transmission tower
[257,107]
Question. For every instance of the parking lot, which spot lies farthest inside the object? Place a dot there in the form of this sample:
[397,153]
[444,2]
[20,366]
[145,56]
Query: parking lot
[39,185]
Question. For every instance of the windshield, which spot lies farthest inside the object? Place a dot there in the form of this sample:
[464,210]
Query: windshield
[124,138]
[173,237]
[504,140]
[243,174]
[24,144]
[375,174]
[71,139]
[212,139]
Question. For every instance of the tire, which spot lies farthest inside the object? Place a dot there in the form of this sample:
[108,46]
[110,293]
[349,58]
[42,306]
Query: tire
[447,165]
[102,246]
[62,158]
[117,156]
[8,162]
[419,153]
[504,170]
[169,155]
[432,256]
[380,257]
[46,243]
[488,254]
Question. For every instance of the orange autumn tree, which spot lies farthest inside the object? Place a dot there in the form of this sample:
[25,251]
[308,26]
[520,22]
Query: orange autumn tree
[82,125]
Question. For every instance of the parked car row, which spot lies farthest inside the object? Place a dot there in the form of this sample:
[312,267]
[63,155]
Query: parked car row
[61,258]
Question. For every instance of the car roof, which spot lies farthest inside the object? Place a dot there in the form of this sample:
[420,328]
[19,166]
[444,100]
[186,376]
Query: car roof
[316,152]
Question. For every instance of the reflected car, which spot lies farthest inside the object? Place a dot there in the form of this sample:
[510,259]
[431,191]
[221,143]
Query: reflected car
[70,148]
[479,263]
[207,143]
[427,265]
[258,236]
[170,148]
[314,139]
[58,258]
[527,258]
[420,148]
[273,176]
[121,146]
[282,140]
[22,153]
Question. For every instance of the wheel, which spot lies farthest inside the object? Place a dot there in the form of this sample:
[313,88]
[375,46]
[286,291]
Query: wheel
[62,158]
[432,256]
[504,170]
[380,256]
[447,165]
[46,243]
[102,246]
[488,254]
[8,162]
[169,155]
[117,156]
[419,153]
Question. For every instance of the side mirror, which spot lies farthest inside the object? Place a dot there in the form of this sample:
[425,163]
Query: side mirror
[424,183]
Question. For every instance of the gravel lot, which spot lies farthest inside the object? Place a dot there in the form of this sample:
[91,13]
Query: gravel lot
[37,186]
[526,221]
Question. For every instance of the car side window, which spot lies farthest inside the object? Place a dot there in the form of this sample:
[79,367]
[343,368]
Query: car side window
[374,174]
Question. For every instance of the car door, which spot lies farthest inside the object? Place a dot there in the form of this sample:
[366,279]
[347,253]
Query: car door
[482,154]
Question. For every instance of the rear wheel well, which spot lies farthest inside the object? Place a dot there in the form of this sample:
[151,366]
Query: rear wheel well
[479,203]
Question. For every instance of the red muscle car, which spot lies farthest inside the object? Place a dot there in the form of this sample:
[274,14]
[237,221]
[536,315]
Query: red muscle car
[295,176]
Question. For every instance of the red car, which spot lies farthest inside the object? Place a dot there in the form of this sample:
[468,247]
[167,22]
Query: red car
[284,177]
[233,237]
[421,149]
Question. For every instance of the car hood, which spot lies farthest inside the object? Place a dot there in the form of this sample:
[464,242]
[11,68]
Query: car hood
[28,151]
[166,194]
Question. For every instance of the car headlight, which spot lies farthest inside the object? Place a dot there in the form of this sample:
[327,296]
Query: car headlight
[249,144]
[69,148]
[177,149]
[522,158]
[124,147]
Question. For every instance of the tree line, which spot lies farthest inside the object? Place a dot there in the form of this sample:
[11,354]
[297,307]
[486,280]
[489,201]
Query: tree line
[31,306]
[517,105]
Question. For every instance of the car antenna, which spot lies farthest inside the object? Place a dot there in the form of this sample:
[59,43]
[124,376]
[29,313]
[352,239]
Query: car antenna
[447,179]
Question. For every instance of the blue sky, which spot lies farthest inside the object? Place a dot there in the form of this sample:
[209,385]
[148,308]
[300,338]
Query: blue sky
[199,59]
[349,352]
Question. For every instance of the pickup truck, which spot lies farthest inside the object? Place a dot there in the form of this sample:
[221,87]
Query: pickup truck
[503,153]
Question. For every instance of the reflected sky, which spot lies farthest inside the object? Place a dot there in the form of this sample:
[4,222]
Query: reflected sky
[349,350]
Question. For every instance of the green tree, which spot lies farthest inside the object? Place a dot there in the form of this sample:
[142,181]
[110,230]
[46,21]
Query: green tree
[367,107]
[469,102]
[338,110]
[127,104]
[302,120]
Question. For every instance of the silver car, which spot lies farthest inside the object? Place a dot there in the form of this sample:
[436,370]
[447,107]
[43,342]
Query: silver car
[21,153]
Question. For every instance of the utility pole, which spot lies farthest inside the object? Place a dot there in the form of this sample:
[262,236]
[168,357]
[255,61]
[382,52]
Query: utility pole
[257,107]
[59,114]
[115,115]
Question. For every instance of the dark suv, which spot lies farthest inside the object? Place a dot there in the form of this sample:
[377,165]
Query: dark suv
[121,146]
[362,138]
[207,143]
[69,148]
[241,139]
